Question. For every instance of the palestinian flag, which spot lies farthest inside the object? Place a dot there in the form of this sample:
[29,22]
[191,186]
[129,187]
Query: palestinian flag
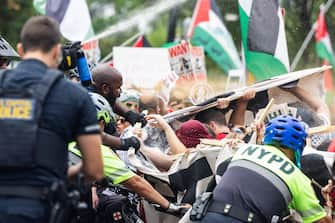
[263,38]
[72,15]
[142,41]
[207,30]
[323,44]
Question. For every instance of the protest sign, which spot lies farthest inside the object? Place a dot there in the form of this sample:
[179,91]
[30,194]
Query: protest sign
[187,62]
[147,69]
[278,109]
[142,67]
[180,60]
[91,50]
[198,63]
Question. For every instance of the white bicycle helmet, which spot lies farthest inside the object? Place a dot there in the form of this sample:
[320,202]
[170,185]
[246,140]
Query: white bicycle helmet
[104,110]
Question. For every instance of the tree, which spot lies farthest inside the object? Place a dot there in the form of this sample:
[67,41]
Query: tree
[13,15]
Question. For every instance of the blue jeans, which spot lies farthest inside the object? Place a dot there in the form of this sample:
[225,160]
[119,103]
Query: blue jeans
[212,217]
[23,210]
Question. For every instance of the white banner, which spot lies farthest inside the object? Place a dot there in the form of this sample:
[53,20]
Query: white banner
[142,67]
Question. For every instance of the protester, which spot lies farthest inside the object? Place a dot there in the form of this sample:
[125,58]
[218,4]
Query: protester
[150,103]
[215,119]
[188,136]
[191,132]
[34,144]
[130,99]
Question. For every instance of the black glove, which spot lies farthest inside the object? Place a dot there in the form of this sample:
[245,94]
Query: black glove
[175,209]
[132,141]
[134,117]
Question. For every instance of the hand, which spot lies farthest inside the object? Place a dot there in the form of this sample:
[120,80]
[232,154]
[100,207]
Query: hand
[157,121]
[137,132]
[134,117]
[177,209]
[260,132]
[127,143]
[222,103]
[248,95]
[95,198]
[325,191]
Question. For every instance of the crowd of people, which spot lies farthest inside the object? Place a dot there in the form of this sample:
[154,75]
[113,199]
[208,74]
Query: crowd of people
[54,130]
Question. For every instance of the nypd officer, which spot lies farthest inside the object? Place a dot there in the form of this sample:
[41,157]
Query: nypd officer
[40,112]
[263,182]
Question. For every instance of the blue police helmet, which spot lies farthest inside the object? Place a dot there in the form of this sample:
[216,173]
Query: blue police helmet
[286,131]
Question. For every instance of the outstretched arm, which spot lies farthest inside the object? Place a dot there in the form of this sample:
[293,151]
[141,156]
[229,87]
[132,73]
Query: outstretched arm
[315,103]
[176,146]
[237,117]
[144,189]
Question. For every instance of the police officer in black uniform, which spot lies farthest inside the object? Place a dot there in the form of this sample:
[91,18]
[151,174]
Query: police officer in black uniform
[40,113]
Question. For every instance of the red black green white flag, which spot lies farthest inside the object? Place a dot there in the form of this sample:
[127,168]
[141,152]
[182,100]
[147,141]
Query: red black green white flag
[324,48]
[263,38]
[323,44]
[208,30]
[73,16]
[142,41]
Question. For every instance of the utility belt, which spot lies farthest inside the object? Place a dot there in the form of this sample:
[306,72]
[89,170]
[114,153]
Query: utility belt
[61,202]
[205,204]
[38,193]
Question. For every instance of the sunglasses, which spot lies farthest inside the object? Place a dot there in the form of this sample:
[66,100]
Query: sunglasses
[121,120]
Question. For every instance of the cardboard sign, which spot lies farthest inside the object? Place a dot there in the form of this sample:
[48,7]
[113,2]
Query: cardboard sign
[142,67]
[198,63]
[277,110]
[187,62]
[147,69]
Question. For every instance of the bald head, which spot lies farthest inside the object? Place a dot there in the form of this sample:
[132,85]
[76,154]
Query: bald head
[104,73]
[149,102]
[107,82]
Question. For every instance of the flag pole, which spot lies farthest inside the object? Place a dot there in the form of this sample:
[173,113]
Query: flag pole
[125,43]
[147,14]
[308,38]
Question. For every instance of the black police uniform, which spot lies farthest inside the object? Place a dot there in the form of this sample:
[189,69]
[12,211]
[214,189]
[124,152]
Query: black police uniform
[67,113]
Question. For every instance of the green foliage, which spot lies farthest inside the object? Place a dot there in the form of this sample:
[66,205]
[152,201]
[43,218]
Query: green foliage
[13,14]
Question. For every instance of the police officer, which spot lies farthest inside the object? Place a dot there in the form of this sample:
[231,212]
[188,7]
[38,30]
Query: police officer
[107,81]
[40,112]
[263,181]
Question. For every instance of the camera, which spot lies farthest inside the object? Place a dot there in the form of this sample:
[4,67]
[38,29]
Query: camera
[74,57]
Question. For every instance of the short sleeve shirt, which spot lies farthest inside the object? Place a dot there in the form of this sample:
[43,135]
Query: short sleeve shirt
[114,168]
